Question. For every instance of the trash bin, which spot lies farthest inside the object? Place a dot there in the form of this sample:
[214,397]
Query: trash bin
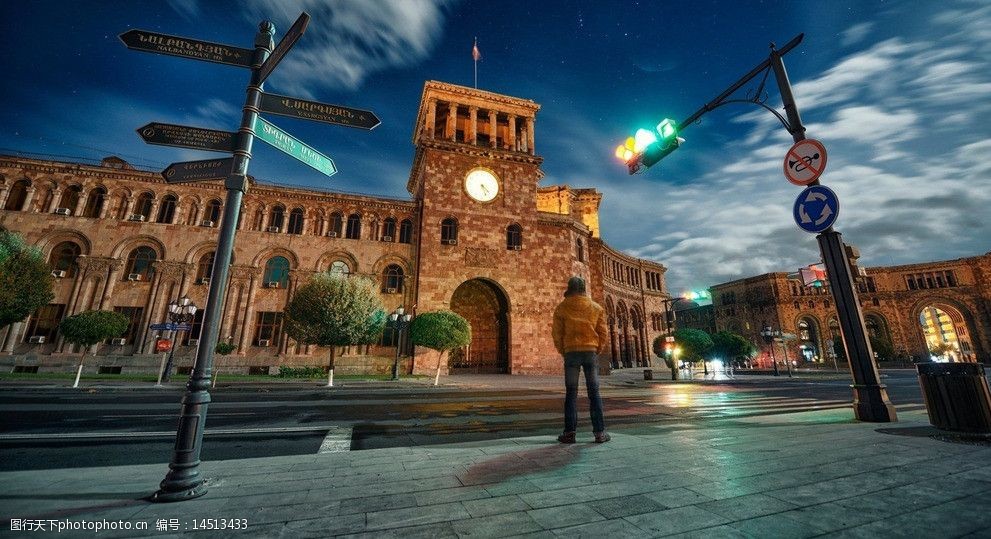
[957,396]
[648,374]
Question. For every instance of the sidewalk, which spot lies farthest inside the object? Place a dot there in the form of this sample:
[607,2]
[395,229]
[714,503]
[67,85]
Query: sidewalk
[794,475]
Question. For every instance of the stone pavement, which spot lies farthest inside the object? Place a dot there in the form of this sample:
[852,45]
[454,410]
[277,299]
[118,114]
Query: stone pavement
[805,474]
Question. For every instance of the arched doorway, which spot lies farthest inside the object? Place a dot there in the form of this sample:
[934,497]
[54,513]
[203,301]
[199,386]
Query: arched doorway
[808,339]
[945,332]
[486,308]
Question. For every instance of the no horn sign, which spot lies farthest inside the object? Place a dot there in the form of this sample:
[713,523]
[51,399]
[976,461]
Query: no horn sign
[805,162]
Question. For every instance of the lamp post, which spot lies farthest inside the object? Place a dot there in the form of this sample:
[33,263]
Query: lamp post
[181,311]
[400,320]
[769,335]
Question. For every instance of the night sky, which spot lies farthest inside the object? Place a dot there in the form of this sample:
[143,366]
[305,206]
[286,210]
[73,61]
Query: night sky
[897,91]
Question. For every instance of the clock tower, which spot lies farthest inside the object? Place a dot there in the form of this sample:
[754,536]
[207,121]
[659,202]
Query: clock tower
[483,249]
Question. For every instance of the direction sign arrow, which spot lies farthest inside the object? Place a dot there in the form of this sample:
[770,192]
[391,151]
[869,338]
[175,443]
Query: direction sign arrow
[816,209]
[288,40]
[293,146]
[185,136]
[143,40]
[194,171]
[319,112]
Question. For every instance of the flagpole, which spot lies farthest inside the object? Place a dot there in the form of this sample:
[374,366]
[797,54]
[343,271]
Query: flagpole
[474,56]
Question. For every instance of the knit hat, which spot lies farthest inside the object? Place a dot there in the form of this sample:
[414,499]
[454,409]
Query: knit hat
[576,286]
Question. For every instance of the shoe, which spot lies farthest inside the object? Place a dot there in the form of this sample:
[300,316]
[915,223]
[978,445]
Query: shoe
[602,437]
[567,438]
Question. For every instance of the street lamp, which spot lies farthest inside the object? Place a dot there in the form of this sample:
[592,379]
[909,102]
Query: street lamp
[181,311]
[769,336]
[400,320]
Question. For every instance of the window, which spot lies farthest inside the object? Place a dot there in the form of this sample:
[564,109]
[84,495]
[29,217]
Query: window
[354,227]
[276,217]
[580,249]
[45,322]
[166,210]
[94,202]
[139,262]
[63,258]
[406,231]
[70,198]
[213,211]
[18,196]
[133,315]
[389,229]
[195,328]
[143,205]
[205,266]
[392,281]
[337,223]
[277,270]
[514,237]
[268,327]
[340,267]
[296,221]
[449,231]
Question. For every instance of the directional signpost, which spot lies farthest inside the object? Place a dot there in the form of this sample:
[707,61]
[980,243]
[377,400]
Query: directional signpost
[816,209]
[183,481]
[183,136]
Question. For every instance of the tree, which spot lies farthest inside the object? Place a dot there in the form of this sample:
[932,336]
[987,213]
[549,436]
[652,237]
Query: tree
[694,344]
[658,347]
[89,328]
[334,310]
[731,347]
[442,331]
[25,279]
[942,349]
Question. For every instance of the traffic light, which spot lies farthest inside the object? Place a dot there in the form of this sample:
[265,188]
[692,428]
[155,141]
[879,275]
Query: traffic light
[645,148]
[668,348]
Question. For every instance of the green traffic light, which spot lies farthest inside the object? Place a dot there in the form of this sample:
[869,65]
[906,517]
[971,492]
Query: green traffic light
[667,128]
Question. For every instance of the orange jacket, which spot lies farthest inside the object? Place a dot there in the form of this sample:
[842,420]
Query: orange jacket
[580,326]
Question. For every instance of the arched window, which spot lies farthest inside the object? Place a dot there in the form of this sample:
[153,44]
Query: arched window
[514,237]
[340,267]
[295,221]
[449,231]
[143,205]
[406,231]
[166,209]
[63,258]
[389,229]
[17,196]
[213,211]
[275,218]
[580,249]
[139,264]
[354,226]
[392,279]
[70,198]
[94,202]
[336,224]
[277,271]
[204,269]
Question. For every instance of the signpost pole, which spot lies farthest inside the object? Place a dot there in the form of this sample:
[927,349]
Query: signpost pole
[870,397]
[183,481]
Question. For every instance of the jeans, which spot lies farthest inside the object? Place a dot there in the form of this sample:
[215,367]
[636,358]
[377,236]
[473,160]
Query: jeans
[573,363]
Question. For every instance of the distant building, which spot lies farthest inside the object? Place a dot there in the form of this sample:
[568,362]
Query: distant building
[477,236]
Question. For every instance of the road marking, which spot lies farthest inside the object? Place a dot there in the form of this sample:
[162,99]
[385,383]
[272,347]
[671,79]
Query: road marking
[338,440]
[160,434]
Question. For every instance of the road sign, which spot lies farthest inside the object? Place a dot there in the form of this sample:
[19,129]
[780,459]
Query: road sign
[195,49]
[288,40]
[183,327]
[194,171]
[184,136]
[816,208]
[805,162]
[293,146]
[319,112]
[168,326]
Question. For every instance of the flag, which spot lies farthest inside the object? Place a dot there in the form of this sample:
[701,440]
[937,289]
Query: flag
[474,52]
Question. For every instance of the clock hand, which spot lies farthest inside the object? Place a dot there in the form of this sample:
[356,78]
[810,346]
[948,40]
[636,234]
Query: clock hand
[485,189]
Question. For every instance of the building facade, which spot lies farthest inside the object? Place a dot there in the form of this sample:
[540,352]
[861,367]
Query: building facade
[914,307]
[477,236]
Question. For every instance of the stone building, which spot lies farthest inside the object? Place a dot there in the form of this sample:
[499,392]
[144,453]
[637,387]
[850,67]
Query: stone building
[913,307]
[477,236]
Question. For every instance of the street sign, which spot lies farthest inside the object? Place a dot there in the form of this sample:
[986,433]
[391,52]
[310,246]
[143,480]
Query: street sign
[816,208]
[183,327]
[194,171]
[293,146]
[195,49]
[168,326]
[184,136]
[288,40]
[805,162]
[318,112]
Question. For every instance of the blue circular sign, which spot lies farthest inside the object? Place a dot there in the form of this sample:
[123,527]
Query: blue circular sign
[816,209]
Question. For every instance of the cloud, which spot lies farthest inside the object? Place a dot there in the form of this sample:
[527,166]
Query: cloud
[856,33]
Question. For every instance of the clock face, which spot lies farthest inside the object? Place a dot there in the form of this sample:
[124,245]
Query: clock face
[481,185]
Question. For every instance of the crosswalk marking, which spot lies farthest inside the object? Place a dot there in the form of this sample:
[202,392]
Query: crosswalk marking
[338,440]
[740,404]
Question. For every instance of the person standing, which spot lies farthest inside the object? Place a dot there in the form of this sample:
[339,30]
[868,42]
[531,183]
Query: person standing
[580,335]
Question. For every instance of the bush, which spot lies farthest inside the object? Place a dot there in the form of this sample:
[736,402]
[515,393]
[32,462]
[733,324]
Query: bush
[301,372]
[224,348]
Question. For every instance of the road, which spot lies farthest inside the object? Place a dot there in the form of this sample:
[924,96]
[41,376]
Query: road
[45,428]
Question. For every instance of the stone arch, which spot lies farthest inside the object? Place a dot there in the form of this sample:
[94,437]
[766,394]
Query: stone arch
[486,306]
[124,247]
[57,236]
[328,258]
[613,340]
[946,311]
[196,251]
[379,266]
[623,334]
[262,257]
[809,337]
